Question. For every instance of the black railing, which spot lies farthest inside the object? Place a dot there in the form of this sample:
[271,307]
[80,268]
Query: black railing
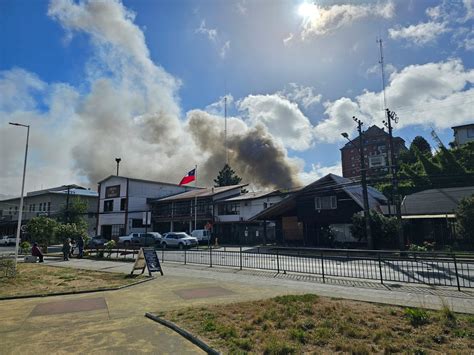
[429,268]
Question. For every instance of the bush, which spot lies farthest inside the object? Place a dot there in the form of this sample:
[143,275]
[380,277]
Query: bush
[416,316]
[7,267]
[465,219]
[25,247]
[384,229]
[109,246]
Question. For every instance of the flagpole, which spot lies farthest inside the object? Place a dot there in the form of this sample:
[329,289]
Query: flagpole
[195,197]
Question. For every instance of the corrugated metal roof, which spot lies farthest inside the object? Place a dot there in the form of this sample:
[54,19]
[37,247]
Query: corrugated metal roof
[435,201]
[250,196]
[201,192]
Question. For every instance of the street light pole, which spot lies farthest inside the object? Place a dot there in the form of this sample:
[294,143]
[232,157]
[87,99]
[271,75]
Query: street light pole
[363,174]
[392,116]
[20,215]
[118,164]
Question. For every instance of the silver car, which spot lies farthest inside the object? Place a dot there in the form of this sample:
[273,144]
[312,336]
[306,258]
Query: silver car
[179,240]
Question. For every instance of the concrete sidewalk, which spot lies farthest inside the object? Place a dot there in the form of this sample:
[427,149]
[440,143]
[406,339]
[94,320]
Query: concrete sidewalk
[114,322]
[389,293]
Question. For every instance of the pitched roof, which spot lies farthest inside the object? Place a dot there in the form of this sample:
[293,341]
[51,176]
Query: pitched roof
[435,201]
[143,180]
[252,195]
[200,193]
[353,189]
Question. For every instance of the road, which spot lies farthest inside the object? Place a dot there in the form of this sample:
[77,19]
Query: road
[443,272]
[7,250]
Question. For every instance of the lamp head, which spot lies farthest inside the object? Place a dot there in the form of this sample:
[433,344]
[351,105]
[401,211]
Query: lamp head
[345,135]
[118,160]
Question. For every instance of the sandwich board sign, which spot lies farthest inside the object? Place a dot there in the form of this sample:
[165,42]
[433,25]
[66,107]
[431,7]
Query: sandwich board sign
[148,258]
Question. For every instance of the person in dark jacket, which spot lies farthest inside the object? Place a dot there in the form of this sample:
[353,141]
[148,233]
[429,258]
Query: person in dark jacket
[36,251]
[80,247]
[66,249]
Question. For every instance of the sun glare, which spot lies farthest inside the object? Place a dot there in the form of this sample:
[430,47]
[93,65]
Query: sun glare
[308,10]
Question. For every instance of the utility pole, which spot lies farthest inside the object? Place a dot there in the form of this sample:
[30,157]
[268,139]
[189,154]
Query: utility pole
[392,116]
[365,194]
[67,203]
[225,131]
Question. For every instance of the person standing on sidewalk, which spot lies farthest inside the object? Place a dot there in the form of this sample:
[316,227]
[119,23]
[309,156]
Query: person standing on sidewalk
[66,249]
[80,247]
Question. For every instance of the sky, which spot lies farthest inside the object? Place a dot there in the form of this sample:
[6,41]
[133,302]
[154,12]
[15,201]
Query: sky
[146,80]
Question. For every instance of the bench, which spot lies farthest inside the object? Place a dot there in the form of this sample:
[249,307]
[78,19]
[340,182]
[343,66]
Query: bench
[31,259]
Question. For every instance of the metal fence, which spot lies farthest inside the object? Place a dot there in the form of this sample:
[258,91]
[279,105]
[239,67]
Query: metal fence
[429,268]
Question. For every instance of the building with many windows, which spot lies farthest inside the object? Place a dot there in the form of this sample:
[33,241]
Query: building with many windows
[376,153]
[122,203]
[47,202]
[190,210]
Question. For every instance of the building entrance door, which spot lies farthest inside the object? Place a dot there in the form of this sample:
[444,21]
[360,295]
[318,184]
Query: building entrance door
[106,232]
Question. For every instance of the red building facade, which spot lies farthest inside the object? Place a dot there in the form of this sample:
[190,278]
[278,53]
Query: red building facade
[376,153]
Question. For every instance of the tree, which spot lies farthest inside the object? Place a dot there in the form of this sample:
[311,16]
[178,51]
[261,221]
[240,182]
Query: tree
[421,144]
[71,231]
[465,218]
[42,230]
[384,229]
[75,213]
[227,177]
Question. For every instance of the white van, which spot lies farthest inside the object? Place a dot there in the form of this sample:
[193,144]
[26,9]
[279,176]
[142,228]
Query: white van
[202,235]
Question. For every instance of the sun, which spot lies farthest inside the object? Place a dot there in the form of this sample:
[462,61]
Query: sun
[308,10]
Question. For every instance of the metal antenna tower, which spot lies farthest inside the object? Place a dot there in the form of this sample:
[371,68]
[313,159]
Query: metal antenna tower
[379,41]
[225,131]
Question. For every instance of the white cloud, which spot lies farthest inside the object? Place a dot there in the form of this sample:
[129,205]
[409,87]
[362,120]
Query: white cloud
[282,118]
[218,108]
[420,34]
[432,94]
[211,33]
[325,19]
[241,7]
[287,40]
[389,69]
[434,12]
[469,6]
[303,95]
[318,171]
[125,106]
[224,49]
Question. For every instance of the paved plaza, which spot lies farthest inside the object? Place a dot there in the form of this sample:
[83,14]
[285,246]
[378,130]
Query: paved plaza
[114,322]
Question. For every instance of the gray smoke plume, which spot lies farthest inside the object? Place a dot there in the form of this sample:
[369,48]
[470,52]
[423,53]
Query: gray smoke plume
[253,153]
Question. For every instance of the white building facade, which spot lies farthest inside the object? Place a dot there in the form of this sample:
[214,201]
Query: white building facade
[463,134]
[122,204]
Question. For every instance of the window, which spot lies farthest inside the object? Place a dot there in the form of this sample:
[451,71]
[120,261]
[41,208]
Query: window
[470,132]
[325,202]
[108,205]
[229,209]
[265,205]
[137,223]
[112,191]
[41,207]
[49,206]
[123,204]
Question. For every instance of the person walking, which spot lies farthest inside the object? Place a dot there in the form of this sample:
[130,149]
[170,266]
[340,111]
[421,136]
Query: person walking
[80,247]
[66,249]
[36,251]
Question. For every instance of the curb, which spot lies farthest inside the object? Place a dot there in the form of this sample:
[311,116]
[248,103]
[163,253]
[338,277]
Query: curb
[75,292]
[184,333]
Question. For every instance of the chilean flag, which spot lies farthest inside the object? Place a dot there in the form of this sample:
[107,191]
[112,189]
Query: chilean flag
[191,176]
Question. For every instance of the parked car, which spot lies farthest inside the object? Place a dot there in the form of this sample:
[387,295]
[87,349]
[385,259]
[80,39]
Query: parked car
[180,240]
[8,240]
[202,235]
[141,239]
[97,242]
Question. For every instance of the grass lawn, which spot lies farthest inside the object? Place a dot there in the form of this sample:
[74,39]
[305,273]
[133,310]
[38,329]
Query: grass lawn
[312,324]
[35,279]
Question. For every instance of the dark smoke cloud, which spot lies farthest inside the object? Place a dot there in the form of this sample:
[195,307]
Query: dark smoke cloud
[253,153]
